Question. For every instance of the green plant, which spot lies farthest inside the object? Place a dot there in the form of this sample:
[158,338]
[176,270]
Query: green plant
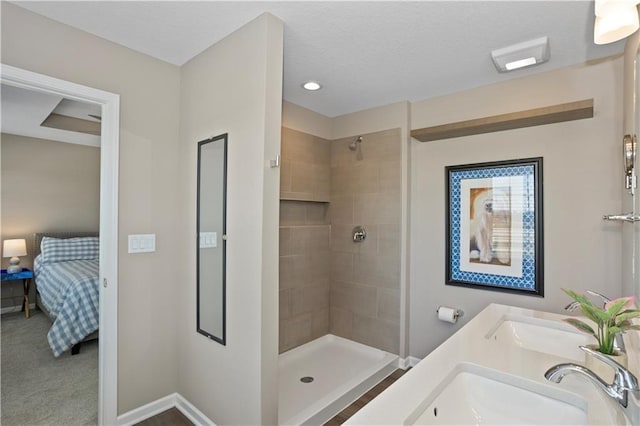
[614,318]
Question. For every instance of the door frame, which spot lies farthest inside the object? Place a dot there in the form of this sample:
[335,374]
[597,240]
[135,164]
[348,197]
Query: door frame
[108,281]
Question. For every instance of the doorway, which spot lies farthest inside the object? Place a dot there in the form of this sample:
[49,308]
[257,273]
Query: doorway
[108,285]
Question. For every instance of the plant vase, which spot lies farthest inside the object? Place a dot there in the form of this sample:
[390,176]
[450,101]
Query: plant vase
[602,370]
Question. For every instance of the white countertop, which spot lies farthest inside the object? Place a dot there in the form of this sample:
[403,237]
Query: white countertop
[399,403]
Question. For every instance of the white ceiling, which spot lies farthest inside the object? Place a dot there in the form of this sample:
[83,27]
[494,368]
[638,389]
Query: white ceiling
[23,112]
[365,54]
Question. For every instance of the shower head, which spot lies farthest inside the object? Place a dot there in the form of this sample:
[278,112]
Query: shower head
[354,145]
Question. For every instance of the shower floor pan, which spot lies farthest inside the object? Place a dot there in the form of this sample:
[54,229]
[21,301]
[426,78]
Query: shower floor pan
[319,379]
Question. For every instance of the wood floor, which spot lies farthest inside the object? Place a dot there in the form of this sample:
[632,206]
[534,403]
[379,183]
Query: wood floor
[342,416]
[174,417]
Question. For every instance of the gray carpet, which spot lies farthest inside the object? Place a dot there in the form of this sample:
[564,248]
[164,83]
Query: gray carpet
[38,389]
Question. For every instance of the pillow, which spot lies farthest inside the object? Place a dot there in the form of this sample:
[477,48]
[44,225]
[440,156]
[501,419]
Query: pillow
[62,250]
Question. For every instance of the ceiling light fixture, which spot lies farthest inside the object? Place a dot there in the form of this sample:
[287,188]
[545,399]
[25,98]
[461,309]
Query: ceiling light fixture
[532,52]
[521,63]
[312,86]
[615,20]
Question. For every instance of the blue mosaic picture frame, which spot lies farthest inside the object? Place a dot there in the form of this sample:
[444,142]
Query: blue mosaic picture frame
[494,226]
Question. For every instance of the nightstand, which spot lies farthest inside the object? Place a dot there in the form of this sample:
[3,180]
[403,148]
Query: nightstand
[26,275]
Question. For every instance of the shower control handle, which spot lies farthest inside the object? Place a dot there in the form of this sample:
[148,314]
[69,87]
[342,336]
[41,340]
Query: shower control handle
[359,234]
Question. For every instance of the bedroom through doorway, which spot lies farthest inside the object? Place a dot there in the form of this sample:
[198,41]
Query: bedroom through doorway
[58,152]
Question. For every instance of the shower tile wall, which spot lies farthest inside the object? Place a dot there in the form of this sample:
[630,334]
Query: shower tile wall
[304,238]
[365,277]
[328,283]
[306,167]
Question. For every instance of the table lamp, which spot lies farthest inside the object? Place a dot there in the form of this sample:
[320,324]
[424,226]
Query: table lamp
[13,249]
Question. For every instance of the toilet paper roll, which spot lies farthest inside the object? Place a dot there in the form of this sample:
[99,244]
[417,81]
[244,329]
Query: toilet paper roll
[447,314]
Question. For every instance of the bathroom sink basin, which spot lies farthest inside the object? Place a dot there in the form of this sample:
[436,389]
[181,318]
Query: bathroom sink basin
[551,337]
[477,395]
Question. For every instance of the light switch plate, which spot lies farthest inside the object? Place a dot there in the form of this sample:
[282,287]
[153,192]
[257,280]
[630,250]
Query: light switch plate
[208,239]
[142,243]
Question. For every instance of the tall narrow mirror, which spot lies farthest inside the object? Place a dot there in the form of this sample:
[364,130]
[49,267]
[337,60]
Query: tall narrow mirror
[211,237]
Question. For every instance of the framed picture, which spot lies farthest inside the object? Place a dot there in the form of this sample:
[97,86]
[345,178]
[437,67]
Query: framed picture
[494,226]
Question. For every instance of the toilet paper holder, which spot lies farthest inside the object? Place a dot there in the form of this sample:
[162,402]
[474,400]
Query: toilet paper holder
[457,314]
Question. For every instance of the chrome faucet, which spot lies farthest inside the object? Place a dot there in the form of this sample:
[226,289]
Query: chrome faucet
[623,382]
[575,304]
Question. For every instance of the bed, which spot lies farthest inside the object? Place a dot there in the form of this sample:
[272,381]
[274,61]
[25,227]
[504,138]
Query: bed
[66,272]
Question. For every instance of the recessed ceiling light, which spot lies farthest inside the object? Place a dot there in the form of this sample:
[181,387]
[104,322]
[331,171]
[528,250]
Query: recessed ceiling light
[312,86]
[521,55]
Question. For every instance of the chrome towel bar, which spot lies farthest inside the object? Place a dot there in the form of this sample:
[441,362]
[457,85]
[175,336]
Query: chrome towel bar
[629,217]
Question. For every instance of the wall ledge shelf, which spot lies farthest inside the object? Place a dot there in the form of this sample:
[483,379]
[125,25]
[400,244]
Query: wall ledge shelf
[514,120]
[302,199]
[307,225]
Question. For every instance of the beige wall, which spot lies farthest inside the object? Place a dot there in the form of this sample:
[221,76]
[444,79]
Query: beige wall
[149,111]
[234,87]
[304,120]
[631,202]
[153,193]
[582,181]
[46,186]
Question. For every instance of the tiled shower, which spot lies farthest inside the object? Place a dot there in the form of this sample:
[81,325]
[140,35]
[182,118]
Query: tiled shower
[328,283]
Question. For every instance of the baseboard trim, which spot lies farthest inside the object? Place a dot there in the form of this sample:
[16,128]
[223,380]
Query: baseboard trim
[148,410]
[163,404]
[17,308]
[407,362]
[191,412]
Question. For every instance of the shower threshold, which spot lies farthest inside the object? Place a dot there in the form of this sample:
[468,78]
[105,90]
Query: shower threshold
[320,378]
